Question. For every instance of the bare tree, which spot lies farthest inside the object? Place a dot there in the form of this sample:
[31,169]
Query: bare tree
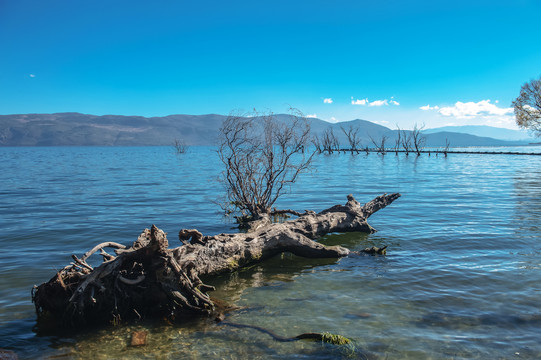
[406,141]
[446,148]
[397,140]
[261,157]
[352,135]
[418,138]
[329,141]
[317,144]
[180,146]
[379,143]
[527,107]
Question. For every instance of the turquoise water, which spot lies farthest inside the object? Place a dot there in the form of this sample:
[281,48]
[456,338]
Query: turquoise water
[462,278]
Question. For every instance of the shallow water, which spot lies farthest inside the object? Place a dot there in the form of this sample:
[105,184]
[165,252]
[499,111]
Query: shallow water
[461,279]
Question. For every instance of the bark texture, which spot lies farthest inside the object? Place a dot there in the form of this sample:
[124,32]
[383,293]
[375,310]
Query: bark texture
[149,279]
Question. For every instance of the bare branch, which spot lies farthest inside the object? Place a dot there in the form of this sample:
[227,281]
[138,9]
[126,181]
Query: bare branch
[406,141]
[352,135]
[398,141]
[262,157]
[527,107]
[379,143]
[111,244]
[180,146]
[330,142]
[418,138]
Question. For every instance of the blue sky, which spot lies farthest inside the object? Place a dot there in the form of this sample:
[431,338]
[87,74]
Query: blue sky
[389,61]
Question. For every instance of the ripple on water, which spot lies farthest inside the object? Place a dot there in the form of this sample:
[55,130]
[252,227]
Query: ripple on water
[461,278]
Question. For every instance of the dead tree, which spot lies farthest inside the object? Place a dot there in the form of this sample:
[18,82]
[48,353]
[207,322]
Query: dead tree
[379,143]
[329,141]
[418,139]
[398,139]
[406,141]
[262,157]
[317,144]
[353,138]
[151,280]
[180,146]
[446,148]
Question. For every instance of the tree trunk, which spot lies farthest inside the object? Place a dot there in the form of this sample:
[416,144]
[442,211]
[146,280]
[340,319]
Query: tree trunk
[149,279]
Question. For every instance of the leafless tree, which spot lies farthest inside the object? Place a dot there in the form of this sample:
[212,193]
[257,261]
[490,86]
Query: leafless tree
[527,107]
[379,143]
[180,146]
[406,141]
[329,141]
[317,143]
[398,140]
[418,138]
[261,157]
[446,149]
[352,134]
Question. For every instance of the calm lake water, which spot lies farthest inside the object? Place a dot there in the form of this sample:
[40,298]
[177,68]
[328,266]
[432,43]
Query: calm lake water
[462,278]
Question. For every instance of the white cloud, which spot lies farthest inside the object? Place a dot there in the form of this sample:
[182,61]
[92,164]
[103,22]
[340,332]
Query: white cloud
[32,75]
[428,107]
[359,102]
[365,102]
[333,119]
[483,112]
[327,101]
[311,116]
[379,103]
[472,109]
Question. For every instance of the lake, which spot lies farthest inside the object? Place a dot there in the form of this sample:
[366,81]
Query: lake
[461,280]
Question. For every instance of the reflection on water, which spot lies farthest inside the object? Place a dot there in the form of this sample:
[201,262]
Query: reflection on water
[527,182]
[461,278]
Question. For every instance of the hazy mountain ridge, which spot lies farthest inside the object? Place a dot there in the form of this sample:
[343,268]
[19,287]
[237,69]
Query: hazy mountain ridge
[486,131]
[75,129]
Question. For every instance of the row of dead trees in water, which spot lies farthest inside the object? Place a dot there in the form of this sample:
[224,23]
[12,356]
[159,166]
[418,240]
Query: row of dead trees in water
[406,141]
[299,130]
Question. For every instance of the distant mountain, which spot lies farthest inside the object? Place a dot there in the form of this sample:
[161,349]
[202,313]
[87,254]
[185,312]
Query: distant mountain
[460,139]
[62,129]
[485,131]
[75,129]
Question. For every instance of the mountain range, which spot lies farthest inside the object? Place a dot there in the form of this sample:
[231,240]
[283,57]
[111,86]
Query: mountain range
[486,131]
[75,129]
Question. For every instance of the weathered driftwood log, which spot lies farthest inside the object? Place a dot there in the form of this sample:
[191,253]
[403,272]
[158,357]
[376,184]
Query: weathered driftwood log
[149,279]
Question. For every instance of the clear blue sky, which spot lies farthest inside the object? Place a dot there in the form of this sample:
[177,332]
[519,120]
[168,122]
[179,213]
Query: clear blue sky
[433,62]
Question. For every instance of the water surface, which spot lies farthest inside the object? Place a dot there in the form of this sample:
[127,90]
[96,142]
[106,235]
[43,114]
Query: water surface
[461,279]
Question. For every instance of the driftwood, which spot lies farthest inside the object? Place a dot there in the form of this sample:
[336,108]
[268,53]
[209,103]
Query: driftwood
[149,279]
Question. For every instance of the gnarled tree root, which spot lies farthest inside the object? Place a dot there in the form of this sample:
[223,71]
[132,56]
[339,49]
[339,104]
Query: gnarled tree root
[148,279]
